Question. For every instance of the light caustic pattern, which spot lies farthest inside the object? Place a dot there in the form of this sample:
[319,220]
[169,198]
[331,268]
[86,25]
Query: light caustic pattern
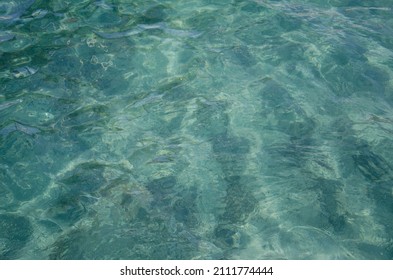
[193,130]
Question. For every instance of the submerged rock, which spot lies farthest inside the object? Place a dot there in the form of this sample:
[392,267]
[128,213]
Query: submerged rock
[18,127]
[23,72]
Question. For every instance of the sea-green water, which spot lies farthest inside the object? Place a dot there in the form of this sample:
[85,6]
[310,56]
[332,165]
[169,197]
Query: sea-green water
[248,129]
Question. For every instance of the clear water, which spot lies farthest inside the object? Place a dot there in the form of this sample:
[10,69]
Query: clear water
[196,129]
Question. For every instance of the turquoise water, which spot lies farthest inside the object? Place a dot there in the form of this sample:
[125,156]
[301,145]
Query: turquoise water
[196,129]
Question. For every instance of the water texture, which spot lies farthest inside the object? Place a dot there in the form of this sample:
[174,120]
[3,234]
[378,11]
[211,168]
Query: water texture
[248,129]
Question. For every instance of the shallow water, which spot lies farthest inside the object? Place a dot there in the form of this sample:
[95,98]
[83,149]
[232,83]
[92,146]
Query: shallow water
[196,129]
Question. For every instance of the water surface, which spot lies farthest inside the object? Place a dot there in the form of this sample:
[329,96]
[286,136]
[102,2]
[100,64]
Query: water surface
[196,129]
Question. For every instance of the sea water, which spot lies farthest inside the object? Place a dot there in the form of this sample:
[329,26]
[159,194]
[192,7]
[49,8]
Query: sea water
[242,129]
